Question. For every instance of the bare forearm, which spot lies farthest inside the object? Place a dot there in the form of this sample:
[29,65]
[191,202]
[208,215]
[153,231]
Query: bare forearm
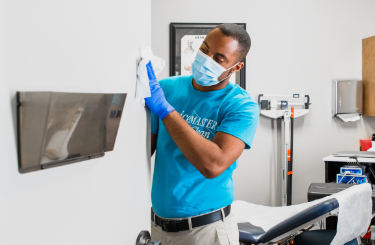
[204,154]
[153,143]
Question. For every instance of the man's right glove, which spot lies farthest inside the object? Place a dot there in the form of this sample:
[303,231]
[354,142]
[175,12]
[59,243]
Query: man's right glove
[157,102]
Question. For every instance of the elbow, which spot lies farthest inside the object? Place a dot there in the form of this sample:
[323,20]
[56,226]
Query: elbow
[211,172]
[211,166]
[210,175]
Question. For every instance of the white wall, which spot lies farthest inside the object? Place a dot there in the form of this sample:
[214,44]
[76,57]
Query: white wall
[74,46]
[297,47]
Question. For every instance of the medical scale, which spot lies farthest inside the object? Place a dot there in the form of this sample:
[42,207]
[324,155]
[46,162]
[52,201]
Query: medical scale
[285,107]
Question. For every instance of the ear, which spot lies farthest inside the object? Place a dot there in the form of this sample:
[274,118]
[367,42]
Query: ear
[238,67]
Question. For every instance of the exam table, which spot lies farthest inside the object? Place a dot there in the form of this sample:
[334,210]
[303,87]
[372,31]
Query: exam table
[263,225]
[285,232]
[294,224]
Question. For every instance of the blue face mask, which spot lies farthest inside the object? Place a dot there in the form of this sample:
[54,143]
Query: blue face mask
[206,71]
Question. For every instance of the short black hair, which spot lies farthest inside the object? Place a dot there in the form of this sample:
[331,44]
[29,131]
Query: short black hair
[239,34]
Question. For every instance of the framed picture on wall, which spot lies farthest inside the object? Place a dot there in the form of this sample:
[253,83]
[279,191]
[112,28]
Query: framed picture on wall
[185,40]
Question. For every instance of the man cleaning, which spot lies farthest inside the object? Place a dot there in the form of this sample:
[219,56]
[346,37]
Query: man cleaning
[200,125]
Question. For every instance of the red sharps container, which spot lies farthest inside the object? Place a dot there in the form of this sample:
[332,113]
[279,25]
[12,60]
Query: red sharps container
[365,144]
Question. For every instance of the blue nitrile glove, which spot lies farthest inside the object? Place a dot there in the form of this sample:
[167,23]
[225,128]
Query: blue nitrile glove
[157,102]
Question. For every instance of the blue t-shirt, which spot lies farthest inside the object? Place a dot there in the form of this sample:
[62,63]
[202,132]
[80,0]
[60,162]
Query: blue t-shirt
[179,190]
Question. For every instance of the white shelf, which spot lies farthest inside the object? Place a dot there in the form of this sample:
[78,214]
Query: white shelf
[332,158]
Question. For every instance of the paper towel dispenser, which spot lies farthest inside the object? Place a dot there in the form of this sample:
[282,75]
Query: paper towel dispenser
[347,96]
[56,128]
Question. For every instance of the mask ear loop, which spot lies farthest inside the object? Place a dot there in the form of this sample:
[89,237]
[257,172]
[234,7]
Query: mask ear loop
[233,65]
[230,73]
[226,77]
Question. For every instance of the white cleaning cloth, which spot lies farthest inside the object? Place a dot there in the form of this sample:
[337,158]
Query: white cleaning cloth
[354,213]
[143,88]
[351,117]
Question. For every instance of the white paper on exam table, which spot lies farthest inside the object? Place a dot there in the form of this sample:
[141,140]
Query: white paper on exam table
[355,205]
[143,88]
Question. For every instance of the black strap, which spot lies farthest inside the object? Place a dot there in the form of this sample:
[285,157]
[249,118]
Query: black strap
[183,225]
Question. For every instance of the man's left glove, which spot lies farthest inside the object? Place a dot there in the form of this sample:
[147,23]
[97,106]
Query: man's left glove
[157,102]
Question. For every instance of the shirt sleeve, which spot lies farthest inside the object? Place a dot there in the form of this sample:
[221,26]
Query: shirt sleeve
[154,123]
[241,122]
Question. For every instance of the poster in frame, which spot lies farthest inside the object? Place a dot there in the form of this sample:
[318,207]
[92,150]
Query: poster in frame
[185,40]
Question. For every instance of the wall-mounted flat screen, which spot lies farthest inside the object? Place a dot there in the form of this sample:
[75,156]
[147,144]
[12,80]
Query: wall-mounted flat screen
[57,128]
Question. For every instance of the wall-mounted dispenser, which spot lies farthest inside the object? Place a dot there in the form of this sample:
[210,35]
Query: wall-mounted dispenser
[55,129]
[347,97]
